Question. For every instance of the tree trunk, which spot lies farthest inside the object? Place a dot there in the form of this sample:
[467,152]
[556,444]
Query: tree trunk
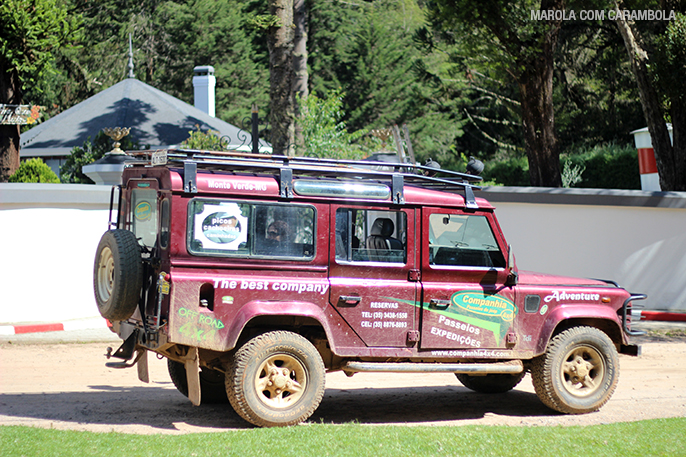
[538,121]
[678,113]
[650,102]
[538,114]
[300,75]
[10,93]
[281,105]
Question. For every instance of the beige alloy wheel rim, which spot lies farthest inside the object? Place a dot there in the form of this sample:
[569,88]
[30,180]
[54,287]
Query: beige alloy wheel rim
[280,381]
[105,274]
[582,371]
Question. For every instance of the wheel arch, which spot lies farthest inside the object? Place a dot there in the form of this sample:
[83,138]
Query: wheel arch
[304,318]
[563,318]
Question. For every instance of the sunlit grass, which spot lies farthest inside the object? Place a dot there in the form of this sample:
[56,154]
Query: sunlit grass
[663,437]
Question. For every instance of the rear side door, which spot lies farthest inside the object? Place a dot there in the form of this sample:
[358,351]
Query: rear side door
[465,302]
[372,261]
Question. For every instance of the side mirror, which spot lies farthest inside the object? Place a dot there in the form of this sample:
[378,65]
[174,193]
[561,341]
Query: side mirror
[512,275]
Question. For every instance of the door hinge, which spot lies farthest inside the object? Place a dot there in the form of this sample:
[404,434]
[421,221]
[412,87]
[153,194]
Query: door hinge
[511,339]
[413,336]
[415,275]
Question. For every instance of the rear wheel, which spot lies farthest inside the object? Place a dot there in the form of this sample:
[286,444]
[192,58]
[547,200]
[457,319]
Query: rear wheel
[578,372]
[276,379]
[117,274]
[491,383]
[212,388]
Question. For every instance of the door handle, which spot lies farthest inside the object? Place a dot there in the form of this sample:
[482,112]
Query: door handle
[349,300]
[435,303]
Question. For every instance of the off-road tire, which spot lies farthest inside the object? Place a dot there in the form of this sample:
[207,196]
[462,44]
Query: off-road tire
[293,367]
[212,383]
[491,383]
[117,274]
[578,372]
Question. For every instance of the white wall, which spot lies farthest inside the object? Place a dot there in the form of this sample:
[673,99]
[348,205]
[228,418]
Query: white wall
[50,232]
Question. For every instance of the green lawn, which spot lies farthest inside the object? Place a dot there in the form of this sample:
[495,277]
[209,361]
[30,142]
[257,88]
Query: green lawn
[663,437]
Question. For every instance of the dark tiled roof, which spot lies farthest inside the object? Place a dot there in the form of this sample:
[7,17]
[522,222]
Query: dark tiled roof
[155,118]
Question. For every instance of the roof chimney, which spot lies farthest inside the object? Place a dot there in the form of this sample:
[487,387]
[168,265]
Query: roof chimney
[203,88]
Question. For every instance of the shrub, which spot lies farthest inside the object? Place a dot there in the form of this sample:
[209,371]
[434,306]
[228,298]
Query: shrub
[203,140]
[34,170]
[324,132]
[510,172]
[605,166]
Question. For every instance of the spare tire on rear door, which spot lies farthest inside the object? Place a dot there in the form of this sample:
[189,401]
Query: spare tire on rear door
[117,274]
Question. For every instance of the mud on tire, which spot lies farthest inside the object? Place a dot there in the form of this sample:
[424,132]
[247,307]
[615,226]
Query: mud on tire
[578,372]
[491,383]
[117,274]
[276,379]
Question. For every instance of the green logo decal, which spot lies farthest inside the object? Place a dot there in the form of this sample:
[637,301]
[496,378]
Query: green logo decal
[143,211]
[485,305]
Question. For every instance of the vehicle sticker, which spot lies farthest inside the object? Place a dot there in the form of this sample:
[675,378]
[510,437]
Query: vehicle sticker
[199,326]
[143,211]
[221,227]
[227,300]
[277,286]
[485,304]
[229,185]
[384,319]
[563,295]
[470,353]
[491,314]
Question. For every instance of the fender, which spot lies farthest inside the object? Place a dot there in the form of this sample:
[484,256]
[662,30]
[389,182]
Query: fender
[259,308]
[575,311]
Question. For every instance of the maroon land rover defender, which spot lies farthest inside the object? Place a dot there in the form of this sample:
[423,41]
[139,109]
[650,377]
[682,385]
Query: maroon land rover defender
[255,275]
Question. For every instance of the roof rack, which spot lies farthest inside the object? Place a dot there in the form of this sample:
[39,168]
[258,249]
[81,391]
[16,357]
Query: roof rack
[290,167]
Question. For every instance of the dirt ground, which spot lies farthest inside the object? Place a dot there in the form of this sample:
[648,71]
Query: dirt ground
[67,386]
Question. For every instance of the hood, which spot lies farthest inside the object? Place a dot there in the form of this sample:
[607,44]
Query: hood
[542,279]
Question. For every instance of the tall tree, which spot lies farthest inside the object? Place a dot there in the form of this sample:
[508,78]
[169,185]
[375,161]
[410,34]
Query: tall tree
[524,49]
[659,87]
[281,101]
[217,33]
[30,30]
[300,73]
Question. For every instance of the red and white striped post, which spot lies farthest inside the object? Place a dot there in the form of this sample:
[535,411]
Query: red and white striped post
[650,180]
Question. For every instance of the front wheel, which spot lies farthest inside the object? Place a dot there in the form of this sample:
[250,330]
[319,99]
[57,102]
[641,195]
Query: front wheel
[276,379]
[491,383]
[578,372]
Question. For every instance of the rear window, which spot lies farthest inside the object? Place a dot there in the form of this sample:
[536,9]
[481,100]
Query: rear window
[371,235]
[144,216]
[246,229]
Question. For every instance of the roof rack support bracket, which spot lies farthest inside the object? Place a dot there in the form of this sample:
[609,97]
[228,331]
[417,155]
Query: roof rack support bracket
[286,182]
[190,177]
[398,188]
[469,199]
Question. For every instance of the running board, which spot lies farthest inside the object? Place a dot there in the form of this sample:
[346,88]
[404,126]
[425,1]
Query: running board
[511,367]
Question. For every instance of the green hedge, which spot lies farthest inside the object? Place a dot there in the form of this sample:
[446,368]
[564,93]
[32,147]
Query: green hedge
[607,166]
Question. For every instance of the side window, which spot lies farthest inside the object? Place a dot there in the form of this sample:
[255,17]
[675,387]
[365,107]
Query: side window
[463,240]
[226,228]
[371,236]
